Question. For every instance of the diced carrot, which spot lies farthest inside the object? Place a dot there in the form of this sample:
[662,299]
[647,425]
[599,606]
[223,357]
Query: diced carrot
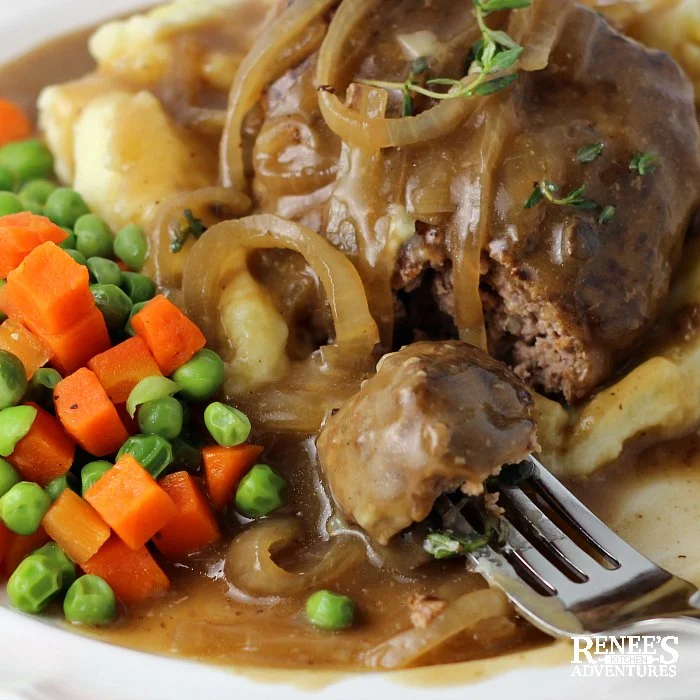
[224,467]
[20,234]
[45,452]
[5,540]
[72,349]
[49,292]
[75,526]
[194,526]
[29,348]
[19,547]
[171,337]
[131,502]
[14,122]
[86,412]
[132,574]
[122,367]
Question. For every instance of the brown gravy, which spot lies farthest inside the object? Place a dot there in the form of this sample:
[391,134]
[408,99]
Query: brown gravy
[200,618]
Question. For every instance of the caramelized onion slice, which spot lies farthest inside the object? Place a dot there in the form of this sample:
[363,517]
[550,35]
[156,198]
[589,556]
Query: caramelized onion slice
[407,648]
[250,566]
[283,44]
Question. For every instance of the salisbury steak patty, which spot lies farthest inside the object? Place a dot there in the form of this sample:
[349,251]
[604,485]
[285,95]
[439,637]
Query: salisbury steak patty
[437,416]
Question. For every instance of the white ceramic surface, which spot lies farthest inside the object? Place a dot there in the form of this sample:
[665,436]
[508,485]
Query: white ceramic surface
[42,661]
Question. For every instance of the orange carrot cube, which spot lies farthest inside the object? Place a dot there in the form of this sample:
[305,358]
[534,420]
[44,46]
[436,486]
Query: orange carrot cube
[45,452]
[122,367]
[132,574]
[75,526]
[19,547]
[131,502]
[171,337]
[29,348]
[194,526]
[87,414]
[224,467]
[20,234]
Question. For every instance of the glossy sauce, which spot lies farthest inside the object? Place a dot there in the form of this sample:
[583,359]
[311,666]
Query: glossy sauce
[202,617]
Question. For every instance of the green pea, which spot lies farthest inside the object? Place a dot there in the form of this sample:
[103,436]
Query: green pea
[65,206]
[70,241]
[57,486]
[23,507]
[64,565]
[7,180]
[41,386]
[104,271]
[9,476]
[92,472]
[113,304]
[32,206]
[10,204]
[77,256]
[139,287]
[330,611]
[150,389]
[90,601]
[161,417]
[201,376]
[15,423]
[260,492]
[227,425]
[153,452]
[38,190]
[27,160]
[34,583]
[186,457]
[134,310]
[130,247]
[94,237]
[13,379]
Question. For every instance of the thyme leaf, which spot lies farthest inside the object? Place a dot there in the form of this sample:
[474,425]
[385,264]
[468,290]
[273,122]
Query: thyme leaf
[192,227]
[576,199]
[444,545]
[643,163]
[587,154]
[608,214]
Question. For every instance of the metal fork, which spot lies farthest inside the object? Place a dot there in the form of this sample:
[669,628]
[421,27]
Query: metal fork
[552,580]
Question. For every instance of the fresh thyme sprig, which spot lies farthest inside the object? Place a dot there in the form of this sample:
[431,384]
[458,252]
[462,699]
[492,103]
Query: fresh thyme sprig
[643,163]
[547,190]
[495,52]
[192,227]
[444,545]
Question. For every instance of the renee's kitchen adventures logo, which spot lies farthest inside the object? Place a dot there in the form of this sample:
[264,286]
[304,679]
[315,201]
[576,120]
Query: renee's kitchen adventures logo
[639,656]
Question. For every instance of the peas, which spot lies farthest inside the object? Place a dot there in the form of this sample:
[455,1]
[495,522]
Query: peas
[35,581]
[65,206]
[7,180]
[139,287]
[227,425]
[23,507]
[13,379]
[330,611]
[134,310]
[92,472]
[57,486]
[153,452]
[150,389]
[77,256]
[260,492]
[130,247]
[90,601]
[41,386]
[104,271]
[32,206]
[113,304]
[64,565]
[94,237]
[9,476]
[9,204]
[27,160]
[201,377]
[162,417]
[15,423]
[38,190]
[70,241]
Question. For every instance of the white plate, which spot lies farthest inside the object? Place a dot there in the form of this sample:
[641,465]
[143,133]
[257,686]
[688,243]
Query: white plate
[40,660]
